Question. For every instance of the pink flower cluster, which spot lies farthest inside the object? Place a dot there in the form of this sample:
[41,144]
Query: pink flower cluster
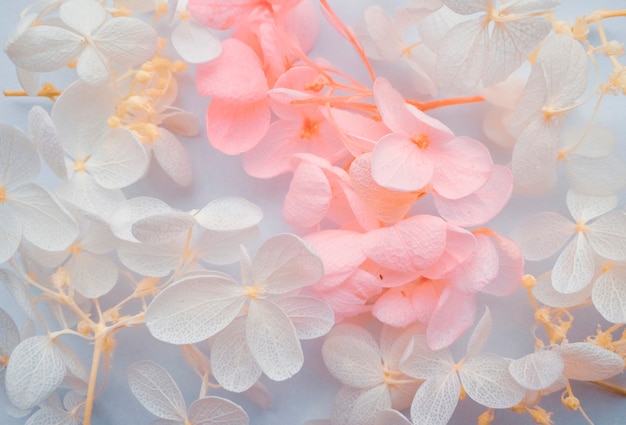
[362,157]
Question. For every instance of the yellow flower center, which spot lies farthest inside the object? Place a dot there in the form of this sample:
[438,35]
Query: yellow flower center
[310,128]
[3,194]
[421,140]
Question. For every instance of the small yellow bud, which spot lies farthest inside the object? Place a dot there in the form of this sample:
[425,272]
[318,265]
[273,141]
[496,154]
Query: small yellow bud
[542,315]
[148,66]
[540,416]
[571,402]
[528,281]
[114,122]
[561,27]
[83,328]
[486,417]
[179,66]
[143,76]
[59,278]
[613,48]
[580,29]
[72,64]
[161,43]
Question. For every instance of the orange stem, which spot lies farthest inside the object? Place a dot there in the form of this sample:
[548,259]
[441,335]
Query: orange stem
[426,106]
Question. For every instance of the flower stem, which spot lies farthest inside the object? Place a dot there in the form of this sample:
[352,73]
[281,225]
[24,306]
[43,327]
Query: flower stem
[95,363]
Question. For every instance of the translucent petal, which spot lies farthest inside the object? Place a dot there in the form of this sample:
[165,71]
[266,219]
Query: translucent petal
[83,16]
[537,371]
[511,43]
[19,161]
[173,158]
[423,363]
[272,340]
[44,222]
[53,416]
[284,263]
[9,334]
[90,198]
[604,176]
[119,161]
[409,245]
[487,380]
[44,48]
[128,41]
[511,267]
[149,260]
[232,362]
[195,43]
[380,38]
[453,315]
[352,356]
[29,81]
[45,138]
[131,211]
[163,227]
[599,363]
[229,213]
[588,141]
[480,268]
[194,308]
[609,295]
[586,207]
[543,235]
[436,399]
[35,370]
[607,236]
[462,54]
[575,267]
[545,293]
[181,122]
[367,405]
[216,411]
[311,317]
[391,417]
[155,389]
[479,336]
[92,275]
[223,247]
[309,196]
[10,234]
[466,7]
[19,291]
[92,67]
[74,364]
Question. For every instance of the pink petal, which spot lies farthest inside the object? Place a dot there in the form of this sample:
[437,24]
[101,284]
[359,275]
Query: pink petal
[511,267]
[454,313]
[399,164]
[236,75]
[233,128]
[220,14]
[481,206]
[462,166]
[409,245]
[309,196]
[459,245]
[479,269]
[351,297]
[340,251]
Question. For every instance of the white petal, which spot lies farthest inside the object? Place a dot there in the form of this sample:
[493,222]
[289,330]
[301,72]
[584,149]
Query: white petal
[52,416]
[436,399]
[391,417]
[173,158]
[181,122]
[217,411]
[45,138]
[423,363]
[599,363]
[92,67]
[311,317]
[229,213]
[586,207]
[487,380]
[119,161]
[607,236]
[588,141]
[609,295]
[272,340]
[223,247]
[232,362]
[163,227]
[10,234]
[19,161]
[128,41]
[543,235]
[481,332]
[131,211]
[17,288]
[44,223]
[35,370]
[466,7]
[155,389]
[194,308]
[85,194]
[83,16]
[92,275]
[596,176]
[29,81]
[537,371]
[545,293]
[74,365]
[9,334]
[574,268]
[195,43]
[368,404]
[44,48]
[149,260]
[284,263]
[352,356]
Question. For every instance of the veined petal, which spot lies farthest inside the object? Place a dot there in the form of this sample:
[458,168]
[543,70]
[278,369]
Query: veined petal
[575,267]
[352,356]
[210,303]
[173,158]
[10,234]
[607,236]
[284,263]
[232,362]
[119,161]
[92,67]
[543,235]
[599,362]
[587,207]
[155,389]
[537,371]
[421,362]
[368,404]
[310,317]
[609,295]
[487,380]
[217,411]
[83,16]
[163,227]
[128,41]
[44,48]
[195,43]
[129,212]
[454,313]
[229,214]
[86,195]
[92,275]
[19,161]
[545,293]
[309,196]
[44,222]
[436,399]
[45,138]
[272,340]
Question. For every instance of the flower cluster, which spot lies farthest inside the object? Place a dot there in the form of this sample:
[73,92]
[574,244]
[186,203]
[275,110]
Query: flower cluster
[395,207]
